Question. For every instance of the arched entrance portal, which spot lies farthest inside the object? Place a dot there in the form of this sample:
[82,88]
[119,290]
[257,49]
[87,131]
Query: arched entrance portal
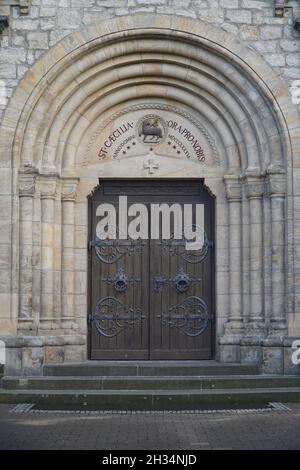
[82,113]
[151,297]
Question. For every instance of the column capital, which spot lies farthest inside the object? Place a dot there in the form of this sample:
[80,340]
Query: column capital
[276,179]
[233,187]
[27,184]
[69,188]
[47,186]
[254,183]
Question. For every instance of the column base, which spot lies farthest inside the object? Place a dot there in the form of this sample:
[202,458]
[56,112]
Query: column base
[256,328]
[273,354]
[69,324]
[234,327]
[26,355]
[251,349]
[27,326]
[278,328]
[48,326]
[230,349]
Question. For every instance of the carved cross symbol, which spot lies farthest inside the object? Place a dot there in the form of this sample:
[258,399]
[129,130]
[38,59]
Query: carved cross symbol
[151,166]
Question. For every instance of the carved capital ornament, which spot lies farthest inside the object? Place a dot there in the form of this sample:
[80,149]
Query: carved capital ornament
[276,181]
[233,187]
[254,183]
[27,185]
[47,186]
[68,189]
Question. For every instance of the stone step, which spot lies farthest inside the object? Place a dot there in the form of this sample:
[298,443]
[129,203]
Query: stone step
[150,399]
[149,383]
[149,368]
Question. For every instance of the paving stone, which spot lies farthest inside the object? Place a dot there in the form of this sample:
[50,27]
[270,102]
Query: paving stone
[274,430]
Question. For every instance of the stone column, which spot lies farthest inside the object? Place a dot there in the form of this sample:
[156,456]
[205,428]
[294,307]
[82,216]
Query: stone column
[276,187]
[273,345]
[48,194]
[255,191]
[68,196]
[251,344]
[234,325]
[26,195]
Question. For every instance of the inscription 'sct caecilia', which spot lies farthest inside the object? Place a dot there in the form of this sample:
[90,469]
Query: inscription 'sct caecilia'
[113,137]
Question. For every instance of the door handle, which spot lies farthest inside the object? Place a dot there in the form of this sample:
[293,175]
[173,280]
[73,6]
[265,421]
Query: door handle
[120,280]
[181,281]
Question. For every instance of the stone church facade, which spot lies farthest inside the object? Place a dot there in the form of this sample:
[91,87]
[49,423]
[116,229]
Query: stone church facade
[79,80]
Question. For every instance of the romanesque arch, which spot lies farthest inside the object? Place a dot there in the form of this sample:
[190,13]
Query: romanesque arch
[49,135]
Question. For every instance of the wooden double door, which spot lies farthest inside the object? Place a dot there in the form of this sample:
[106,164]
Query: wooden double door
[150,298]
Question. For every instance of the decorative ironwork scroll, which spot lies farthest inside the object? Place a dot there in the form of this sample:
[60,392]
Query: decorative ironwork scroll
[110,251]
[111,317]
[190,316]
[178,248]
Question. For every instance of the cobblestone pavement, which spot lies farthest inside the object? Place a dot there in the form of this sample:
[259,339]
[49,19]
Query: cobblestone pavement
[269,430]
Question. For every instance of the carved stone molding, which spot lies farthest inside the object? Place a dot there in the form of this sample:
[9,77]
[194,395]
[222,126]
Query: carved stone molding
[68,189]
[233,187]
[254,184]
[47,186]
[276,181]
[27,185]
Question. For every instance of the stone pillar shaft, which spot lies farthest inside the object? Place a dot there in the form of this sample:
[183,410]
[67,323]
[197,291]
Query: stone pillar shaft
[68,240]
[26,194]
[234,197]
[254,192]
[234,326]
[48,187]
[276,182]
